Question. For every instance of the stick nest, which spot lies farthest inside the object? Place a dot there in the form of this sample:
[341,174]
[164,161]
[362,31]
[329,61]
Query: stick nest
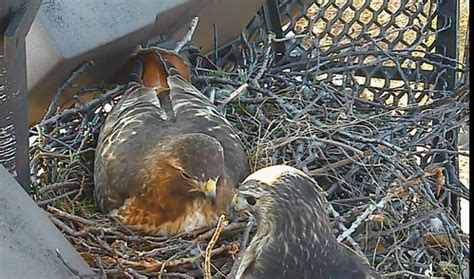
[384,159]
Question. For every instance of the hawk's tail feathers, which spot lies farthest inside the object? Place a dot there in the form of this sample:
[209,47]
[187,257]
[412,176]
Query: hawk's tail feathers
[170,68]
[173,63]
[152,66]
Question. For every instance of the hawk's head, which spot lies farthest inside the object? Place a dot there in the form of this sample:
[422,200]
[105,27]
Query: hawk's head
[294,237]
[195,161]
[272,192]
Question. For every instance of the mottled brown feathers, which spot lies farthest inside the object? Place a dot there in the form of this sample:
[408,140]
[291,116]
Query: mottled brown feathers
[166,160]
[294,238]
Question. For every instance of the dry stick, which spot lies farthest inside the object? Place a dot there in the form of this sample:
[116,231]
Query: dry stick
[178,275]
[59,185]
[295,37]
[154,266]
[207,259]
[56,198]
[66,229]
[371,208]
[345,162]
[89,106]
[266,59]
[371,140]
[135,274]
[341,226]
[162,269]
[216,44]
[228,228]
[342,145]
[64,85]
[189,35]
[410,223]
[403,272]
[102,272]
[60,213]
[237,92]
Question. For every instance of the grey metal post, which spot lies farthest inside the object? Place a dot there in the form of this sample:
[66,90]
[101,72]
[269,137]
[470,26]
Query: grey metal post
[447,45]
[273,24]
[16,17]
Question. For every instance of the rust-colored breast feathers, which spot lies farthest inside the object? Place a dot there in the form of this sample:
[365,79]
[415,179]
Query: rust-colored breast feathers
[165,205]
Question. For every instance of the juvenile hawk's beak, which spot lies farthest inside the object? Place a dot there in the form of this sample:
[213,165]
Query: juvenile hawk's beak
[210,190]
[239,204]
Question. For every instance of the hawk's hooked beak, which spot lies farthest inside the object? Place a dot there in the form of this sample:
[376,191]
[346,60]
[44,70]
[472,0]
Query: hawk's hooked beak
[239,204]
[210,189]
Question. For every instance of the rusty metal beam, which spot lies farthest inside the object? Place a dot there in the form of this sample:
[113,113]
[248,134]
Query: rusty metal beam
[15,21]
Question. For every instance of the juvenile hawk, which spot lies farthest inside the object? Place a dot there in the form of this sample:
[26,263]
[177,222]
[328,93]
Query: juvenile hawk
[294,238]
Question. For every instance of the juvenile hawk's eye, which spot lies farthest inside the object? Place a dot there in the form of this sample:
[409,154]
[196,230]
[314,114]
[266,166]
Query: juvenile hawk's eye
[251,200]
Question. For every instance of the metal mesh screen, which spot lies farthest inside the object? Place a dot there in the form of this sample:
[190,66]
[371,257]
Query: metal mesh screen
[388,43]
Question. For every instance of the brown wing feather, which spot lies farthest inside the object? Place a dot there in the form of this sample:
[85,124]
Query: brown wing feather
[193,111]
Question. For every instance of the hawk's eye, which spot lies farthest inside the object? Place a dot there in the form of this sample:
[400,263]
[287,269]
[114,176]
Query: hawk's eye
[251,200]
[185,175]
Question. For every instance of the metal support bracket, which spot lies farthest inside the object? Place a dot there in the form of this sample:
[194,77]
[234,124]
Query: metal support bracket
[14,130]
[273,24]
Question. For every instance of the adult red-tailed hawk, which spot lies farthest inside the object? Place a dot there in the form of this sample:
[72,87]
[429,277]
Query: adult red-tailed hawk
[294,238]
[166,160]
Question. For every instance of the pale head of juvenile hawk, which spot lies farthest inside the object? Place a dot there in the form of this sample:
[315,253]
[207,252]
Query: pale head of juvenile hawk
[294,238]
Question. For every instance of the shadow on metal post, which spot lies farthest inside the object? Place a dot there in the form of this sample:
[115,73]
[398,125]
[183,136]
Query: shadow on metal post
[16,18]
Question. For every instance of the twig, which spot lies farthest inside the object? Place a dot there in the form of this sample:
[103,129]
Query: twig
[189,35]
[69,216]
[403,272]
[56,198]
[295,37]
[68,230]
[59,185]
[67,83]
[237,92]
[207,259]
[155,265]
[177,275]
[216,44]
[344,162]
[343,228]
[371,208]
[266,59]
[135,274]
[109,94]
[228,228]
